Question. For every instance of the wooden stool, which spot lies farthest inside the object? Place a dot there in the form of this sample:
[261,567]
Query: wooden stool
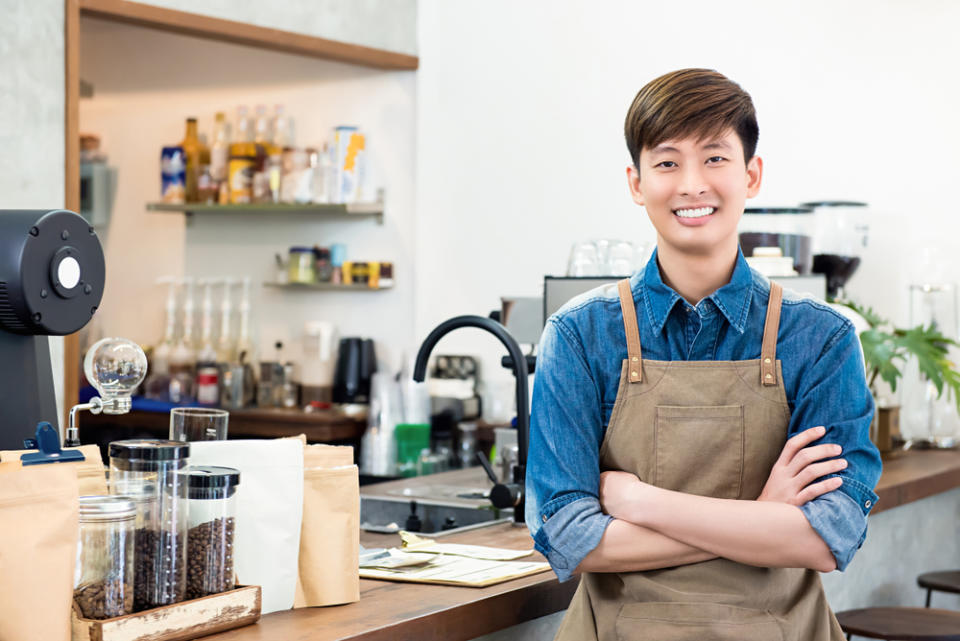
[902,624]
[940,581]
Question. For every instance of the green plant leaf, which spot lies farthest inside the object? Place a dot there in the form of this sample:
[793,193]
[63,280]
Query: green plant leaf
[929,346]
[880,349]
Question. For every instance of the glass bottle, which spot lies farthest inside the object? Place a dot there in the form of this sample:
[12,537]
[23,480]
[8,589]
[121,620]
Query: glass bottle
[220,149]
[197,154]
[208,373]
[244,125]
[183,358]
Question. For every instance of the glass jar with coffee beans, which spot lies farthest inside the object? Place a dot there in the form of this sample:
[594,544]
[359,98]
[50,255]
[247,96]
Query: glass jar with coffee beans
[103,585]
[149,473]
[212,493]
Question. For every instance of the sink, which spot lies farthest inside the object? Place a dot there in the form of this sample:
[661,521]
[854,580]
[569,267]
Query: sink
[382,511]
[457,494]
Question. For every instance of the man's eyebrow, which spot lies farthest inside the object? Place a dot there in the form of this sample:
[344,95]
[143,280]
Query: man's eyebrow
[717,144]
[662,149]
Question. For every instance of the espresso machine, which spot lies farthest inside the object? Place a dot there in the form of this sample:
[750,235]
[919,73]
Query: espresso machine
[51,281]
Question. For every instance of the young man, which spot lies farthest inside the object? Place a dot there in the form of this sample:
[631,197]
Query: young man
[687,424]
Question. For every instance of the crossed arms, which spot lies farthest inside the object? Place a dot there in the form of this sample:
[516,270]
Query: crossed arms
[656,528]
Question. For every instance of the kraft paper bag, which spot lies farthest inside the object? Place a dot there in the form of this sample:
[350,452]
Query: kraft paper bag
[269,511]
[90,472]
[39,534]
[330,537]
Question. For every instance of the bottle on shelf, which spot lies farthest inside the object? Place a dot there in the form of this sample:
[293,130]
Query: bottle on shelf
[197,155]
[246,351]
[183,355]
[220,148]
[282,128]
[244,125]
[262,127]
[226,348]
[208,372]
[157,385]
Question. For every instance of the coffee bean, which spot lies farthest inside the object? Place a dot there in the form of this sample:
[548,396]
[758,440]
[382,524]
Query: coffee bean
[104,599]
[158,576]
[210,558]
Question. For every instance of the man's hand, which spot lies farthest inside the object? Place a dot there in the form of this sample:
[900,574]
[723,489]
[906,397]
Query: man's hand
[792,476]
[617,490]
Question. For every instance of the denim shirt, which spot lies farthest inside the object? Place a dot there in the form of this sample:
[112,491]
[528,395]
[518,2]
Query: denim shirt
[577,377]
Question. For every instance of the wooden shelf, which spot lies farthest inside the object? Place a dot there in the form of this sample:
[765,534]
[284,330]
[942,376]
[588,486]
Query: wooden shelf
[326,287]
[347,210]
[200,26]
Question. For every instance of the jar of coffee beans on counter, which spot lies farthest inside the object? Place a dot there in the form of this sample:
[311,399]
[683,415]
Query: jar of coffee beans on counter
[149,473]
[103,585]
[212,493]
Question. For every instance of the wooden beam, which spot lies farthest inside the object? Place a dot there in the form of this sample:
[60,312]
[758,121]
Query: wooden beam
[200,26]
[71,135]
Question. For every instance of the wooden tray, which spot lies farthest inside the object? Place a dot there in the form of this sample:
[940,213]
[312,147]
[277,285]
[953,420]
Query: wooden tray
[177,622]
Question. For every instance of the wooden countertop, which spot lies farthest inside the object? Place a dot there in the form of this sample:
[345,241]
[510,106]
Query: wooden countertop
[388,611]
[916,474]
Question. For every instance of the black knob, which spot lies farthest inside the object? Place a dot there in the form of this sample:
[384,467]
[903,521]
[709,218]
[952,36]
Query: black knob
[449,523]
[504,495]
[413,523]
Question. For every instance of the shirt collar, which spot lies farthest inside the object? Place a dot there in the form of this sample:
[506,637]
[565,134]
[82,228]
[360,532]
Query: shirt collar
[733,299]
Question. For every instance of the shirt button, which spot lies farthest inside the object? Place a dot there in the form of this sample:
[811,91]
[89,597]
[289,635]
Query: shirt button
[544,518]
[867,503]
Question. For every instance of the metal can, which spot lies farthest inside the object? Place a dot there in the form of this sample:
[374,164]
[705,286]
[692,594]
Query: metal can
[173,175]
[240,178]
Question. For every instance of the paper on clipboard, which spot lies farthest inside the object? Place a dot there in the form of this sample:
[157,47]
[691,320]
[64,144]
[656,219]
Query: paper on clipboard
[457,570]
[414,543]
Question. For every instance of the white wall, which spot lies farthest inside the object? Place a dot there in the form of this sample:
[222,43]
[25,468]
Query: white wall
[140,103]
[383,24]
[32,118]
[520,129]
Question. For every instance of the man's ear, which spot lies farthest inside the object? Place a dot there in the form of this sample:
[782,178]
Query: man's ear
[633,181]
[754,176]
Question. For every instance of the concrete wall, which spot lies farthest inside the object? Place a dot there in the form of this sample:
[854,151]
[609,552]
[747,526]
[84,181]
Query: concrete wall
[32,117]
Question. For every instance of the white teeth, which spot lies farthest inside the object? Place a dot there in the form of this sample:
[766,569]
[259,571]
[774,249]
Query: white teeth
[695,213]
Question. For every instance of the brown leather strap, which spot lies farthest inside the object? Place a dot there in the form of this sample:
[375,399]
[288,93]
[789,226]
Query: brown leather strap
[768,349]
[634,358]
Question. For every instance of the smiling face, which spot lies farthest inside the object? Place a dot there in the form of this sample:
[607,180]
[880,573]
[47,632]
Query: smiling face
[694,191]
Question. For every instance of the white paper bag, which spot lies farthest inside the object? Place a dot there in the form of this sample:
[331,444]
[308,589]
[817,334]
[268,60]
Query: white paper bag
[269,511]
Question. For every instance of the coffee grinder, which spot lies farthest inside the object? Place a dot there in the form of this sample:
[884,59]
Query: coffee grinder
[52,275]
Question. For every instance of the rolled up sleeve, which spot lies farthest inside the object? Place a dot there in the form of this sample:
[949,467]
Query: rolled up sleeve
[834,393]
[563,474]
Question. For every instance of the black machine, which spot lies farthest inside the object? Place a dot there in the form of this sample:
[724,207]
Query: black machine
[52,275]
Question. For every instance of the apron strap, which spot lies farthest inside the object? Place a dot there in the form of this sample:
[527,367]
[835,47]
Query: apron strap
[768,350]
[633,333]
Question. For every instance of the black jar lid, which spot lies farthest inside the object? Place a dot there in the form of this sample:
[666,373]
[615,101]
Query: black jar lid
[778,210]
[212,476]
[147,450]
[834,203]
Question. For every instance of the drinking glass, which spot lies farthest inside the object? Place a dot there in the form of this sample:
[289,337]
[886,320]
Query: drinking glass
[198,424]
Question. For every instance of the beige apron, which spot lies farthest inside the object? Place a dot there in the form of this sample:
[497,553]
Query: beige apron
[711,428]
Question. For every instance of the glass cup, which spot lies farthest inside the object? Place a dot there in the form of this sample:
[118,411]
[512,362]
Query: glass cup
[198,424]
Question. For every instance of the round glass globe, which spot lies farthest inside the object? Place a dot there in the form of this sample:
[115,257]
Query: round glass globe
[115,367]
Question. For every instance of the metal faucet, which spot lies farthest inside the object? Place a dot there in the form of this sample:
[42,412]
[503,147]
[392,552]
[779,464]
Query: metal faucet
[503,495]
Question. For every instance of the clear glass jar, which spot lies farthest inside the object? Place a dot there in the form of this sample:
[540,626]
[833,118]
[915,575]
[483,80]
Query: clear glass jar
[103,581]
[467,450]
[791,229]
[300,265]
[213,510]
[149,472]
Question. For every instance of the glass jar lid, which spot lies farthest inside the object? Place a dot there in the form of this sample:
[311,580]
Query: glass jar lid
[147,450]
[106,508]
[212,481]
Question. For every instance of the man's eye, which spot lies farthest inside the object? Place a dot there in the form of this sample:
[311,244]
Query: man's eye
[715,159]
[667,164]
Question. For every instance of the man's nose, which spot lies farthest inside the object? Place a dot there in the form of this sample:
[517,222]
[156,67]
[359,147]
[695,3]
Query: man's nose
[692,182]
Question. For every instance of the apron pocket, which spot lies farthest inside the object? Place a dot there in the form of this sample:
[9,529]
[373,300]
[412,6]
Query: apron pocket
[699,450]
[695,622]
